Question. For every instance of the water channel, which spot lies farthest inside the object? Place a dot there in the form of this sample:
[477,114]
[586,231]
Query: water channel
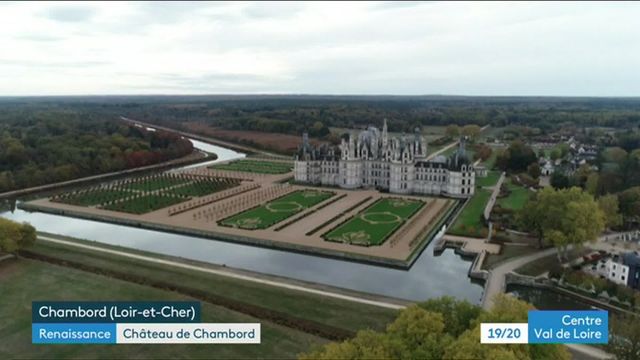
[430,276]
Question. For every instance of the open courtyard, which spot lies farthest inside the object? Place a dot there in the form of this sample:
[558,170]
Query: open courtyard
[264,209]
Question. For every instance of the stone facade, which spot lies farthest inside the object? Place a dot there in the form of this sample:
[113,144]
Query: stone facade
[397,164]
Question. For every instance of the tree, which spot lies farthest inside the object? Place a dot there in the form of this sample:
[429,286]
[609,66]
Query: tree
[441,329]
[471,131]
[457,315]
[609,206]
[482,152]
[629,203]
[506,309]
[563,217]
[15,236]
[559,180]
[591,185]
[534,170]
[614,155]
[624,337]
[452,131]
[517,157]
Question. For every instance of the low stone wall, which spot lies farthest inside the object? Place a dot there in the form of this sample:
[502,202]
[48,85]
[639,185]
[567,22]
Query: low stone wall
[476,271]
[494,197]
[266,243]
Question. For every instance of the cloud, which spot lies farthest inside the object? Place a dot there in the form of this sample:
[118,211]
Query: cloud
[69,13]
[264,10]
[320,47]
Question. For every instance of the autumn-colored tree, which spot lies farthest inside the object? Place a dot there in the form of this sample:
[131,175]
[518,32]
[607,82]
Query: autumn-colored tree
[442,329]
[15,236]
[609,206]
[563,217]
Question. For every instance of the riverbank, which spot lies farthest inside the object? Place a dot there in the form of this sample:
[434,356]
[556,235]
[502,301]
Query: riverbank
[236,147]
[340,308]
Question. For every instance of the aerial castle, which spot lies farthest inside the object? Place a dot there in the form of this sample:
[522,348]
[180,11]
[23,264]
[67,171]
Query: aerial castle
[398,165]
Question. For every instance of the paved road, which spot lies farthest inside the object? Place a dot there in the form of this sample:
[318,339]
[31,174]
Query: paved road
[495,282]
[229,273]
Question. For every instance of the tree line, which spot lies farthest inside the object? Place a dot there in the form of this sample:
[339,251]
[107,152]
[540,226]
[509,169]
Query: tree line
[50,145]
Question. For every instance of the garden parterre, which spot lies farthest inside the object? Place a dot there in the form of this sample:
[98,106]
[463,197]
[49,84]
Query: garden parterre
[145,194]
[376,223]
[266,215]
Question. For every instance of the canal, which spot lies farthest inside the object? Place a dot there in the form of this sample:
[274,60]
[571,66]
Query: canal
[430,276]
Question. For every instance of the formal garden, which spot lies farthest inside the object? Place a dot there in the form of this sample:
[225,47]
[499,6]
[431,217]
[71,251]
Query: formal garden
[256,166]
[142,204]
[275,211]
[376,223]
[145,194]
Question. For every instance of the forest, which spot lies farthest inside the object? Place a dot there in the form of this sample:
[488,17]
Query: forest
[315,114]
[46,144]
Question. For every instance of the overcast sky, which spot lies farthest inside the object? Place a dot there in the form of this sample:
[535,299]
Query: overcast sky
[320,48]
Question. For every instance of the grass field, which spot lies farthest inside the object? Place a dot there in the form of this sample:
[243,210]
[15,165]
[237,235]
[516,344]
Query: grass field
[491,179]
[145,203]
[93,197]
[469,222]
[273,212]
[376,223]
[256,166]
[334,312]
[24,281]
[517,198]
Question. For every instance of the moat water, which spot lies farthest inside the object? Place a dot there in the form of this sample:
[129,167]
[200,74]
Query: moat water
[430,276]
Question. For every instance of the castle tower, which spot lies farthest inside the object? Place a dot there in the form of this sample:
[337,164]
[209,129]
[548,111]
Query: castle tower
[461,147]
[305,140]
[385,135]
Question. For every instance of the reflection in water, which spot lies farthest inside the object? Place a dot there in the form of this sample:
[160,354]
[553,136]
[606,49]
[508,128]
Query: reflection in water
[545,299]
[430,276]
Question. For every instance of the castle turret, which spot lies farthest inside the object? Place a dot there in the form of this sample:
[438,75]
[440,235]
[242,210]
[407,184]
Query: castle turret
[385,135]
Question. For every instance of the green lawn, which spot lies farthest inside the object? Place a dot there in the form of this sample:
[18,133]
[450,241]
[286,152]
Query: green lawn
[273,212]
[491,179]
[156,183]
[95,196]
[145,204]
[256,166]
[330,311]
[469,222]
[376,223]
[517,198]
[24,281]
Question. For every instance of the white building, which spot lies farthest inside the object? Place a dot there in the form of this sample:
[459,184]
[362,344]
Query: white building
[624,269]
[397,165]
[616,270]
